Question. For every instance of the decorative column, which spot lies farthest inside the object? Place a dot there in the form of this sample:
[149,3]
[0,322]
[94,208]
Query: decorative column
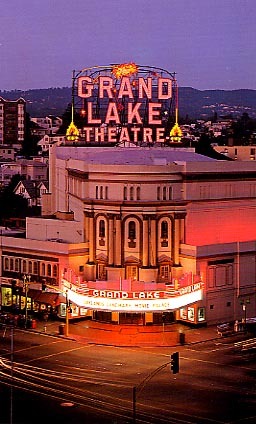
[177,236]
[91,236]
[117,241]
[152,241]
[110,239]
[145,242]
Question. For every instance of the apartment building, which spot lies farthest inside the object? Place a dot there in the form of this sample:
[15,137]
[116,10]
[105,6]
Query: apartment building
[12,122]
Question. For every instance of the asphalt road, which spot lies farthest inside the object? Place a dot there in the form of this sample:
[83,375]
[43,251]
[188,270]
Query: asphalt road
[55,380]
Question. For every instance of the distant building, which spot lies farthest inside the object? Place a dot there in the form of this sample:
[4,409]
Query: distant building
[32,191]
[48,125]
[244,153]
[46,143]
[12,122]
[29,169]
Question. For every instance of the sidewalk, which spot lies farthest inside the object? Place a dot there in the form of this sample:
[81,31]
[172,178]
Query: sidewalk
[91,332]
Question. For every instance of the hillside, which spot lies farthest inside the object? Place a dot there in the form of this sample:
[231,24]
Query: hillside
[192,103]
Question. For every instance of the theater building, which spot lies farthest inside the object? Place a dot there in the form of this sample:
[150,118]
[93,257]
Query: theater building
[141,235]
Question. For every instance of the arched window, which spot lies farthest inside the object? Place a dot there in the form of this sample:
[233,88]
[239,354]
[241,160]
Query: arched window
[131,230]
[43,269]
[138,193]
[49,270]
[97,192]
[11,264]
[106,192]
[101,192]
[131,193]
[164,193]
[164,229]
[102,228]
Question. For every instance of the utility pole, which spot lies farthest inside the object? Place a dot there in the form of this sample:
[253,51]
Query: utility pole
[137,389]
[26,279]
[67,315]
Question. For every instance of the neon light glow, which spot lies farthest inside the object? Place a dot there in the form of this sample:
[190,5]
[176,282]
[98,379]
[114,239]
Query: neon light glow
[125,69]
[72,133]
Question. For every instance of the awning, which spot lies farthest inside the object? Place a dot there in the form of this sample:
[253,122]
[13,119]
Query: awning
[48,298]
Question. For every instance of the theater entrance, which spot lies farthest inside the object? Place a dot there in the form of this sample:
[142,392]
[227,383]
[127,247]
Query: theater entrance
[135,318]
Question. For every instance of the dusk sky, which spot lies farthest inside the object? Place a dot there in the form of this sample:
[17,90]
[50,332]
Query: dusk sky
[210,44]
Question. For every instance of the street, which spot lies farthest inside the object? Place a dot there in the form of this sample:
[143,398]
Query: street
[58,380]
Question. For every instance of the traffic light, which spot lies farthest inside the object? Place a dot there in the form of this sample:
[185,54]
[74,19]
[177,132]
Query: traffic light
[175,367]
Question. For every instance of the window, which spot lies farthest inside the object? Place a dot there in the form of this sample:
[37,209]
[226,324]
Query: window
[131,230]
[164,193]
[6,263]
[106,192]
[125,193]
[11,264]
[43,269]
[17,267]
[55,271]
[138,193]
[158,193]
[170,193]
[131,193]
[101,192]
[35,268]
[97,192]
[164,229]
[49,270]
[102,272]
[132,272]
[30,267]
[24,266]
[102,228]
[164,272]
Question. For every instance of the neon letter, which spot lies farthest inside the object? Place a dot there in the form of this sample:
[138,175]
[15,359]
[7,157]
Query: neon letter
[133,113]
[105,84]
[154,113]
[164,88]
[125,88]
[84,87]
[112,114]
[144,88]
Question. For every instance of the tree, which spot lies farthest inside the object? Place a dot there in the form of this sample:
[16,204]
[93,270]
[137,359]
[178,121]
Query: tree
[15,206]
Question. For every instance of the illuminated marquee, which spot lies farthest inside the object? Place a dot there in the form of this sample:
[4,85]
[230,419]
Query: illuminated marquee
[125,102]
[149,301]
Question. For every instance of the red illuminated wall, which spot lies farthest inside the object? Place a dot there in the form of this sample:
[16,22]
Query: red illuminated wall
[220,222]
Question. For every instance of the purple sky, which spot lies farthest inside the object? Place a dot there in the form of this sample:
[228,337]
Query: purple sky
[210,44]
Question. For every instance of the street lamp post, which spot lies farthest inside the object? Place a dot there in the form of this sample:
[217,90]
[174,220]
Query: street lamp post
[67,315]
[26,279]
